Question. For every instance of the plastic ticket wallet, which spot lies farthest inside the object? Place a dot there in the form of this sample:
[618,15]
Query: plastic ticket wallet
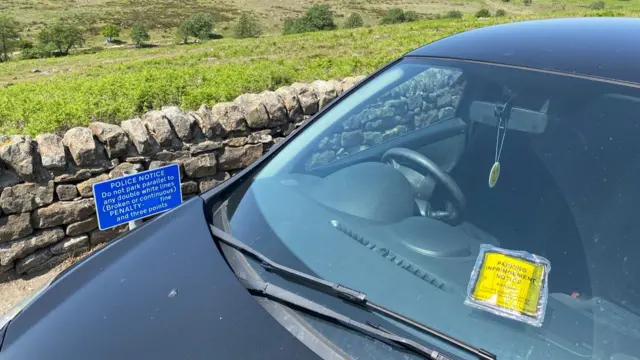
[508,283]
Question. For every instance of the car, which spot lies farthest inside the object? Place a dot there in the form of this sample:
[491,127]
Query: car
[362,234]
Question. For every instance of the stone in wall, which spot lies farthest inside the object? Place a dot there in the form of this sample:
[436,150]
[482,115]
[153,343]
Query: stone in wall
[290,101]
[238,158]
[8,178]
[102,236]
[326,92]
[82,226]
[62,213]
[189,188]
[140,137]
[260,137]
[74,176]
[70,244]
[84,149]
[113,137]
[205,147]
[229,116]
[201,166]
[85,188]
[253,110]
[211,181]
[15,226]
[211,128]
[26,197]
[119,170]
[33,260]
[17,152]
[307,97]
[14,250]
[158,126]
[274,106]
[51,151]
[185,125]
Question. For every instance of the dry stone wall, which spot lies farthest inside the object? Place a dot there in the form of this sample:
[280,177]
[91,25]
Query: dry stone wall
[47,211]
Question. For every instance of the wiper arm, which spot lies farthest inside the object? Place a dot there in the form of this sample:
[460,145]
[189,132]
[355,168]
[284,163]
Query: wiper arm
[276,293]
[350,295]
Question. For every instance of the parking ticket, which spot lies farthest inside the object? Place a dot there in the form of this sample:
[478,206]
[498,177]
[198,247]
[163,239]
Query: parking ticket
[510,283]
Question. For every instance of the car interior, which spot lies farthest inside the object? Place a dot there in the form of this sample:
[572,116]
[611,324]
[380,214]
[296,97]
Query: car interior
[550,189]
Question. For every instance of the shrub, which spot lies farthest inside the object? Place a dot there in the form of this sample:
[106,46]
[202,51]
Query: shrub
[483,13]
[247,27]
[527,2]
[320,17]
[60,38]
[397,15]
[410,16]
[139,35]
[354,21]
[597,5]
[295,26]
[393,16]
[110,32]
[501,13]
[506,1]
[453,14]
[317,18]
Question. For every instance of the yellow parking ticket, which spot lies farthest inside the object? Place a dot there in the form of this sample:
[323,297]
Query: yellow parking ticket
[510,283]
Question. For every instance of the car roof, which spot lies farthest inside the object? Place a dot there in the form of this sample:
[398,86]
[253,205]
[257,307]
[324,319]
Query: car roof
[600,47]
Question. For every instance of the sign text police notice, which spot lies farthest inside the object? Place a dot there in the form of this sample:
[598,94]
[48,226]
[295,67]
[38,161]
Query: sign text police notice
[136,196]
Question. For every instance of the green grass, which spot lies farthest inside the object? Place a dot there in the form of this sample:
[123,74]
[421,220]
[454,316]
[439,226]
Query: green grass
[118,84]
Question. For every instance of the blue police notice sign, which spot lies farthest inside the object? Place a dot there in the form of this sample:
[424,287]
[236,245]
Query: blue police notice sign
[137,196]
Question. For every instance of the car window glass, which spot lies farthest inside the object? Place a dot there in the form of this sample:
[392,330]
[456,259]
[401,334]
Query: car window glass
[426,98]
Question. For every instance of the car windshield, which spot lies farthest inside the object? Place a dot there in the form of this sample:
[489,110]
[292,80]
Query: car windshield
[393,189]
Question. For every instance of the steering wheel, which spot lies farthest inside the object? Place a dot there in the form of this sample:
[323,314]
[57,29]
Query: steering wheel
[422,164]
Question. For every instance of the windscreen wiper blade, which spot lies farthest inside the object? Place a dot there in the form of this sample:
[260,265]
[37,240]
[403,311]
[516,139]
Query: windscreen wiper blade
[286,297]
[350,295]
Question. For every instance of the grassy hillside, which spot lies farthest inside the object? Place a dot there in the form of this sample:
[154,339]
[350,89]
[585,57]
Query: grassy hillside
[163,16]
[119,83]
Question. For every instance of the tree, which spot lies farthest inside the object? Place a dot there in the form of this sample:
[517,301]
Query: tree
[183,32]
[139,34]
[597,5]
[201,26]
[9,36]
[61,37]
[111,31]
[501,12]
[320,17]
[247,27]
[354,21]
[527,2]
[198,26]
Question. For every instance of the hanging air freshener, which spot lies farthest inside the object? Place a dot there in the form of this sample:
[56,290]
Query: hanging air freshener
[502,113]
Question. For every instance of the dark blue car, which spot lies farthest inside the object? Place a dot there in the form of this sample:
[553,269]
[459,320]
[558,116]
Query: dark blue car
[348,241]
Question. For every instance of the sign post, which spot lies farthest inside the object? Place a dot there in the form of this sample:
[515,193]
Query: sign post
[130,198]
